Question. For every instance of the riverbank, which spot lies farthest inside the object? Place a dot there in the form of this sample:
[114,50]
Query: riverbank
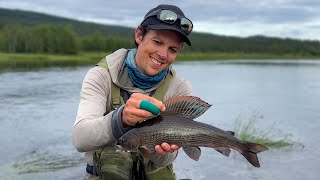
[29,61]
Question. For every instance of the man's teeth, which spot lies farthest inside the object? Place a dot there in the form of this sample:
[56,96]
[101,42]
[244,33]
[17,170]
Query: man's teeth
[155,61]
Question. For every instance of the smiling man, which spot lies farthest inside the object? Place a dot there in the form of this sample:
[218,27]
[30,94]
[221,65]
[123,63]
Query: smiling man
[112,93]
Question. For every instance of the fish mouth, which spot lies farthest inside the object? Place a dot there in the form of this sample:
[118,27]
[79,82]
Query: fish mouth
[118,147]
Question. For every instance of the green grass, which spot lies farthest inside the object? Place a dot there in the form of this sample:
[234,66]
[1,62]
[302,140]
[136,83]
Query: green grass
[31,61]
[271,137]
[226,56]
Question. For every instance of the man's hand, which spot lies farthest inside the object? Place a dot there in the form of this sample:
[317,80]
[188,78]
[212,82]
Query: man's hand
[164,148]
[132,114]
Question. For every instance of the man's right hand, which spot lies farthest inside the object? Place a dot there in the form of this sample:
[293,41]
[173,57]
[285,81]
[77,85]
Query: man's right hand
[132,114]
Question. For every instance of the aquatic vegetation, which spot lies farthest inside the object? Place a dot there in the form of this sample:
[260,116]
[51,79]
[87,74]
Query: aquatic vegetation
[245,129]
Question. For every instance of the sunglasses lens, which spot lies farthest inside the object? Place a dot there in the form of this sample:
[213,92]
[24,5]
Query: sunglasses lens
[186,25]
[168,16]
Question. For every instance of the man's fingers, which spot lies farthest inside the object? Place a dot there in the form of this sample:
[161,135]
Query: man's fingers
[174,147]
[159,150]
[166,147]
[132,118]
[139,97]
[138,113]
[169,148]
[156,102]
[132,113]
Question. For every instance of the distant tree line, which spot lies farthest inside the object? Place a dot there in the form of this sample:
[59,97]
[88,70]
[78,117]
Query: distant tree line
[253,44]
[56,39]
[67,39]
[100,42]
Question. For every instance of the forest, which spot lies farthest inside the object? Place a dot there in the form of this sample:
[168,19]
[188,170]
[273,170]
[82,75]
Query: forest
[31,32]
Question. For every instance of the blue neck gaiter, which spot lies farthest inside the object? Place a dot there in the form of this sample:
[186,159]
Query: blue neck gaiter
[139,79]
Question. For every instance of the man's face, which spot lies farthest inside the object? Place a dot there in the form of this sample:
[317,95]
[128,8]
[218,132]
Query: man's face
[157,50]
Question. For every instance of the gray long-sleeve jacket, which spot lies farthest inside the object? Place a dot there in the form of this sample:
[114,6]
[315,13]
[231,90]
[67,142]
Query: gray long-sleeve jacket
[92,129]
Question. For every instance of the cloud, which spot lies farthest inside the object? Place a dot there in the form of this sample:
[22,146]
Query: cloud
[284,18]
[261,11]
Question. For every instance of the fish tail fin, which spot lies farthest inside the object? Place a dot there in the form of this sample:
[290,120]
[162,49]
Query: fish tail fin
[251,153]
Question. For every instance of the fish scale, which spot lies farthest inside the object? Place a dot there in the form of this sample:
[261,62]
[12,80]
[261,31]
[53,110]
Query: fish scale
[181,131]
[176,126]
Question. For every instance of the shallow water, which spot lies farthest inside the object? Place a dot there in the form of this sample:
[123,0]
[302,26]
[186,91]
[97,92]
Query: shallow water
[38,108]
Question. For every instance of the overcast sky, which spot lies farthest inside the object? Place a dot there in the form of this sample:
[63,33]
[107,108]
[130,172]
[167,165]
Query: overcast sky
[299,19]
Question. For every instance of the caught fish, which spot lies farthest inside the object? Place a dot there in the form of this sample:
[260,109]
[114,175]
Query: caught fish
[176,126]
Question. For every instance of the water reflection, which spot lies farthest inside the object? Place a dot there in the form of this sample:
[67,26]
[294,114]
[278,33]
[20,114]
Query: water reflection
[262,62]
[41,161]
[37,111]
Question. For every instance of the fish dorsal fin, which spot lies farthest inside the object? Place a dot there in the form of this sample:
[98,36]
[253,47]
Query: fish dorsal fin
[186,106]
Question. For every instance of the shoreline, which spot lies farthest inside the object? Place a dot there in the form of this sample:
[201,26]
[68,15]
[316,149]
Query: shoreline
[30,61]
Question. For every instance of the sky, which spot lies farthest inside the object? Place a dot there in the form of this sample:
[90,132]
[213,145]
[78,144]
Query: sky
[297,19]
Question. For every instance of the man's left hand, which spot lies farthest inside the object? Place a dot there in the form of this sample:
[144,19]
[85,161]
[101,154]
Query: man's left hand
[164,148]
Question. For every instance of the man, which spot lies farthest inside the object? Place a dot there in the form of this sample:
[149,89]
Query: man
[112,92]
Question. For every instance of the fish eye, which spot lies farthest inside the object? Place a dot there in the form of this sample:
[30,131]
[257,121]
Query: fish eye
[122,140]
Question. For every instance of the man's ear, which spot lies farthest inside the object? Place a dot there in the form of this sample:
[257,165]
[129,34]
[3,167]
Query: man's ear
[138,35]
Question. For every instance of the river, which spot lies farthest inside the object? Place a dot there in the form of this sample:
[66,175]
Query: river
[38,108]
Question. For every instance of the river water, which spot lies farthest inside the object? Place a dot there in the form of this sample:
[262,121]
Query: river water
[38,108]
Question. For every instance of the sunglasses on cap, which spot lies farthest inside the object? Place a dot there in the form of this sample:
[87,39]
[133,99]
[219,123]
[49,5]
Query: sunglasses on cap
[171,17]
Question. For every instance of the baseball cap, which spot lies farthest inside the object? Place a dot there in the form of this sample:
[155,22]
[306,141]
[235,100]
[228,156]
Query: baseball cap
[168,17]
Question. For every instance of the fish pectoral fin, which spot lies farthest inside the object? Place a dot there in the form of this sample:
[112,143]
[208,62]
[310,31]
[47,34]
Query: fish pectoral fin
[193,152]
[223,150]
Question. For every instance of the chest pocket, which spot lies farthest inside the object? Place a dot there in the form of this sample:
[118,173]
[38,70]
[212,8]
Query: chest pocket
[118,165]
